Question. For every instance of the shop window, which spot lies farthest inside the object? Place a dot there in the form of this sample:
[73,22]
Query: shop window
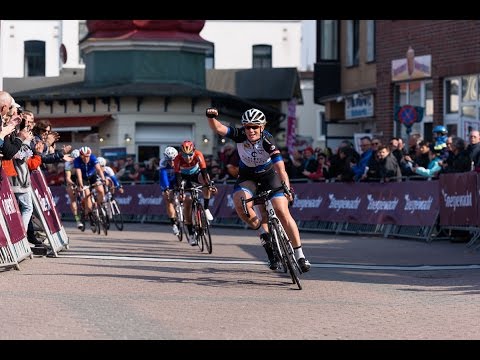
[469,88]
[451,96]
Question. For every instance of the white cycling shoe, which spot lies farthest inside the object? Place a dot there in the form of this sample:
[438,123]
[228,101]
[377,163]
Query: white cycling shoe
[191,240]
[175,229]
[209,215]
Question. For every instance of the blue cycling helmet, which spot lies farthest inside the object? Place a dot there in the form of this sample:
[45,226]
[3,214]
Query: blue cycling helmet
[440,129]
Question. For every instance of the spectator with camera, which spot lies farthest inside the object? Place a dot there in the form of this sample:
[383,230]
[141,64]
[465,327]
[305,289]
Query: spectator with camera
[18,168]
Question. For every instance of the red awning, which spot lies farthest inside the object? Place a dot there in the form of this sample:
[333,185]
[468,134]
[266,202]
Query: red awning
[77,121]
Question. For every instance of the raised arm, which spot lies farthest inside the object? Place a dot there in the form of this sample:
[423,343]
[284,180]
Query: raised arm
[214,124]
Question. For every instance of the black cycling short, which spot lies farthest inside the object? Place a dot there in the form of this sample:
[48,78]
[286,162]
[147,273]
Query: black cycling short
[264,181]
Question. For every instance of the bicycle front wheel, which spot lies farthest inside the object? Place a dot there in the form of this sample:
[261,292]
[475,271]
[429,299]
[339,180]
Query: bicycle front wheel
[197,225]
[277,250]
[103,217]
[117,216]
[205,233]
[287,253]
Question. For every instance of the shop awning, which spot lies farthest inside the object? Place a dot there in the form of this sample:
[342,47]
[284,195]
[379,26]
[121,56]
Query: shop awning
[76,123]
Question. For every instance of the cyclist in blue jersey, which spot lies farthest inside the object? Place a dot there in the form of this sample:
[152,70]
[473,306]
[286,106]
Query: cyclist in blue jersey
[89,172]
[112,180]
[261,168]
[167,183]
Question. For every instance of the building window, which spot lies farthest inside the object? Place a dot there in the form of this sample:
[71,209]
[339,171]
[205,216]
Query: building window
[451,96]
[469,88]
[329,39]
[34,62]
[210,58]
[353,31]
[370,40]
[321,124]
[262,56]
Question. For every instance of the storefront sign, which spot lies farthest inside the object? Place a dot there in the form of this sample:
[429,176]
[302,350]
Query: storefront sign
[358,106]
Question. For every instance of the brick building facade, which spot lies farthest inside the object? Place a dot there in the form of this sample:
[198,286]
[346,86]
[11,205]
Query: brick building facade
[455,64]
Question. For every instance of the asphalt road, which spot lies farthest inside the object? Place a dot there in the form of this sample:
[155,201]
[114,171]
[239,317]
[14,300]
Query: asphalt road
[142,283]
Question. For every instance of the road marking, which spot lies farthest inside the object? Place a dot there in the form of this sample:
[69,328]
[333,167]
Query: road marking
[320,265]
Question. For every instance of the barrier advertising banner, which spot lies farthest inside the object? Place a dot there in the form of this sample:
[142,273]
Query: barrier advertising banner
[414,203]
[459,199]
[45,200]
[11,211]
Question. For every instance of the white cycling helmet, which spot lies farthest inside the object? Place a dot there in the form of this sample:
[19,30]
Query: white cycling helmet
[75,153]
[85,151]
[170,153]
[102,161]
[253,117]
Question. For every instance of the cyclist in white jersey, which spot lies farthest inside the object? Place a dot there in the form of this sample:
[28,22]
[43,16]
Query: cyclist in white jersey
[261,168]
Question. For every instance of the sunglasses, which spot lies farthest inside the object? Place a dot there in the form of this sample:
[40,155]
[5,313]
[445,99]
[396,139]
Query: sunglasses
[255,127]
[375,143]
[187,155]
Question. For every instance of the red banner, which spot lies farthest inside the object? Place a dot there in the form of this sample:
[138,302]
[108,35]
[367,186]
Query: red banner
[10,210]
[3,238]
[459,199]
[42,192]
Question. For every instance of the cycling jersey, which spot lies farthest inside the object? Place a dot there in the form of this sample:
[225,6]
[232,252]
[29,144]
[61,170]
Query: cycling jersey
[110,174]
[257,157]
[88,169]
[167,174]
[189,168]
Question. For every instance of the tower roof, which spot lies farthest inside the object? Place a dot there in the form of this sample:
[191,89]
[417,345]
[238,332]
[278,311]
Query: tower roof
[188,30]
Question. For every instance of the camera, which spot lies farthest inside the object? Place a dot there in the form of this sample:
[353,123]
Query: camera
[23,124]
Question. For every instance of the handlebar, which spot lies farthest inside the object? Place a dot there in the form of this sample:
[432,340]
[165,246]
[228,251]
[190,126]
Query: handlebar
[200,187]
[264,195]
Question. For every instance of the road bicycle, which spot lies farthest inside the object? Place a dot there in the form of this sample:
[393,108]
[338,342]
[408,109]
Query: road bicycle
[113,209]
[201,226]
[281,244]
[99,217]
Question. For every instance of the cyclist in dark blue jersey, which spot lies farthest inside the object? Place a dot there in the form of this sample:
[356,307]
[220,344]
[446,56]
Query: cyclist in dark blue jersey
[167,183]
[89,172]
[261,168]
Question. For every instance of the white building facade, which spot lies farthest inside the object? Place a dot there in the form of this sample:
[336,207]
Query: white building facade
[39,47]
[293,44]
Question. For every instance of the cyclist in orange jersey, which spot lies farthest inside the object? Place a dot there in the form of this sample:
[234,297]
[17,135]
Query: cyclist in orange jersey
[191,167]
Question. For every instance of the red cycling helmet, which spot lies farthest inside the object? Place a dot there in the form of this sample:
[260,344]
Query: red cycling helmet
[187,147]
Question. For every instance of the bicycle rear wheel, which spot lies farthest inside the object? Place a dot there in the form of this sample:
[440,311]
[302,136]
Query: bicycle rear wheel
[117,216]
[103,217]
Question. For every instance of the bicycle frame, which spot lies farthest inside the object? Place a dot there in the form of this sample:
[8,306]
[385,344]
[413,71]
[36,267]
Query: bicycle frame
[199,219]
[281,244]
